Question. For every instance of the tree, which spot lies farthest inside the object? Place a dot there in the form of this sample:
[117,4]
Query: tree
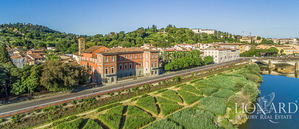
[208,59]
[57,75]
[4,91]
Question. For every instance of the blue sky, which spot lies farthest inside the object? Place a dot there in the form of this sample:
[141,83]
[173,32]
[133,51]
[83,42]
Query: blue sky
[269,18]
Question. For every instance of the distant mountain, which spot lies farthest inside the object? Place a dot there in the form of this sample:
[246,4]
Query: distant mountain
[37,36]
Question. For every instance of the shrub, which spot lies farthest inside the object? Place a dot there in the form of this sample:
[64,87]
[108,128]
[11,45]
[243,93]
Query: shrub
[136,118]
[172,95]
[1,120]
[226,124]
[148,103]
[112,117]
[70,125]
[91,124]
[192,118]
[167,106]
[164,124]
[74,102]
[188,97]
[17,118]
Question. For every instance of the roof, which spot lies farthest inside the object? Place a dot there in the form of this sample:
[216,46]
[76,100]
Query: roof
[91,49]
[124,50]
[35,55]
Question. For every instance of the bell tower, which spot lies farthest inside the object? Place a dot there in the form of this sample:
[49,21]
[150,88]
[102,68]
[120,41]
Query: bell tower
[81,45]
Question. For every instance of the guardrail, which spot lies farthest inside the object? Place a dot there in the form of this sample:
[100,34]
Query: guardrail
[103,92]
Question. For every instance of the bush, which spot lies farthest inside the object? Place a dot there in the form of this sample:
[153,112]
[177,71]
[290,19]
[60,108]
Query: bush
[148,103]
[167,106]
[17,118]
[1,120]
[70,125]
[164,124]
[172,95]
[191,118]
[112,117]
[188,97]
[136,118]
[91,124]
[226,124]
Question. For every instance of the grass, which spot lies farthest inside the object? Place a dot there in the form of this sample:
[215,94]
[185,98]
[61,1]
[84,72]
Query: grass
[188,97]
[209,90]
[192,118]
[213,104]
[112,117]
[70,125]
[64,120]
[223,93]
[91,124]
[136,118]
[172,95]
[108,106]
[164,124]
[191,89]
[148,103]
[167,106]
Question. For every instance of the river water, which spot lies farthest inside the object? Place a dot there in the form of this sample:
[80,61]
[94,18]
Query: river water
[283,91]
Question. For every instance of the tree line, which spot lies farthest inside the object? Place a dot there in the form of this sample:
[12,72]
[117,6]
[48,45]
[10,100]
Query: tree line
[184,59]
[37,36]
[260,52]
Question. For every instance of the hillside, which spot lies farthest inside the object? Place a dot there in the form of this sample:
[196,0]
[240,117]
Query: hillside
[37,36]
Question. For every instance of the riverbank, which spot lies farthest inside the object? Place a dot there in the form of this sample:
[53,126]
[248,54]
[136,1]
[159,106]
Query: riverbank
[292,75]
[199,103]
[285,90]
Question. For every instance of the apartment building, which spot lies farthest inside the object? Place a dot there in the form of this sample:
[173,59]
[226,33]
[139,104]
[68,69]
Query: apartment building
[222,54]
[109,65]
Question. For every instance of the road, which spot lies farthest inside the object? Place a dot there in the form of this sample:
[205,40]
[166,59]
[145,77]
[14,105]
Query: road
[11,109]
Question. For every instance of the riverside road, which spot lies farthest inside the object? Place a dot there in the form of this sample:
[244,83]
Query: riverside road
[7,109]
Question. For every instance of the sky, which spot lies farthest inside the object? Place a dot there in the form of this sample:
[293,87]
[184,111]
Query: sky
[267,18]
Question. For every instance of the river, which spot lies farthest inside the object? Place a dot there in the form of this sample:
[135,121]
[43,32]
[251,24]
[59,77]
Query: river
[284,90]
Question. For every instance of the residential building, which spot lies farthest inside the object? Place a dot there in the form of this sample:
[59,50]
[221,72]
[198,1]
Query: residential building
[203,45]
[18,58]
[109,65]
[207,31]
[222,54]
[242,47]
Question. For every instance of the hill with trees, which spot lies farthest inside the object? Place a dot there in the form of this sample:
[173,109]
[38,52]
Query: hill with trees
[37,36]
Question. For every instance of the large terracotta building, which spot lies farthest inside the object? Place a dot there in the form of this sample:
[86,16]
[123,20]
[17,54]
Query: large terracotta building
[107,65]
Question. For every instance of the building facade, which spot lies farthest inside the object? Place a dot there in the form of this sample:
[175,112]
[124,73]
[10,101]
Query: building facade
[109,65]
[222,54]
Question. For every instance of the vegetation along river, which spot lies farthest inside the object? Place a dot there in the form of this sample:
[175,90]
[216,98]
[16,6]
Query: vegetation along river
[282,95]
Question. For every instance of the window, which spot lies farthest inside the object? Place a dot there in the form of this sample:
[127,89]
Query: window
[130,65]
[145,55]
[106,58]
[152,55]
[139,55]
[156,55]
[112,69]
[120,66]
[139,65]
[152,64]
[112,58]
[126,65]
[130,56]
[106,70]
[135,56]
[146,65]
[120,58]
[156,64]
[125,56]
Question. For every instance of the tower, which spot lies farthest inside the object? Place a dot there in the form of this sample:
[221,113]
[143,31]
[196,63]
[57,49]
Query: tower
[81,45]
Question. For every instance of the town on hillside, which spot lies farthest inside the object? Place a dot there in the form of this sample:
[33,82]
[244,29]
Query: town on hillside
[108,65]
